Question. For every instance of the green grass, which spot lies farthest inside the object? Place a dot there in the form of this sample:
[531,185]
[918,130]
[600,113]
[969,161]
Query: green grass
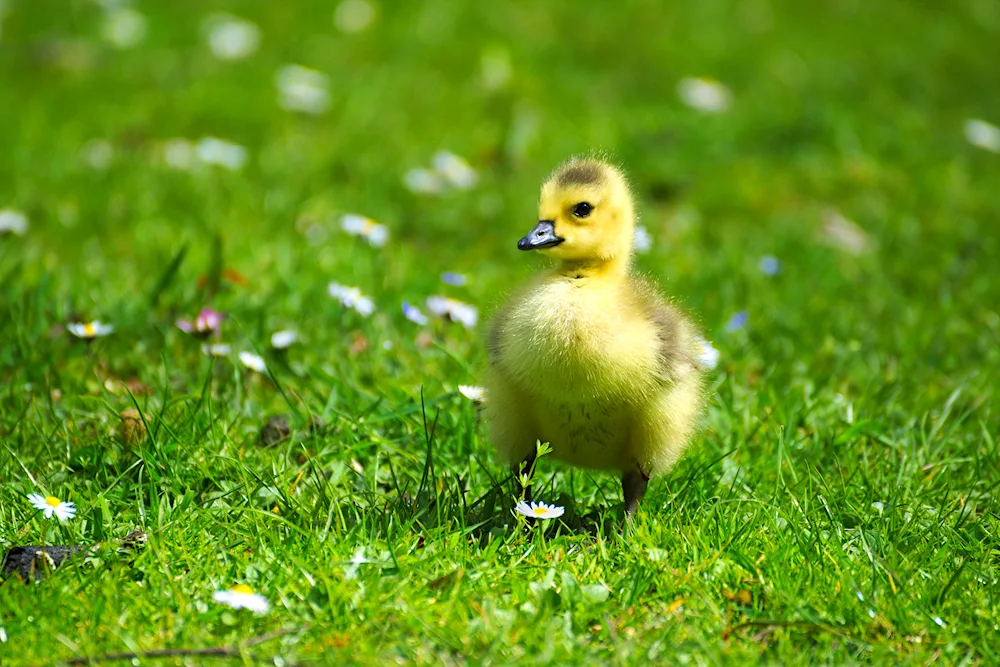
[843,494]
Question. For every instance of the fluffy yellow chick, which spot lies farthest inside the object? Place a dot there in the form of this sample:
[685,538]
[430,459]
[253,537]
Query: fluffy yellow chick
[588,357]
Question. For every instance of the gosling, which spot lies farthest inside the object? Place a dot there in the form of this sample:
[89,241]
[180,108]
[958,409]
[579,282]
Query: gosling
[588,356]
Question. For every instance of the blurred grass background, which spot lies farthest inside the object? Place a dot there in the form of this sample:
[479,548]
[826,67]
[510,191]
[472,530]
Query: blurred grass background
[861,377]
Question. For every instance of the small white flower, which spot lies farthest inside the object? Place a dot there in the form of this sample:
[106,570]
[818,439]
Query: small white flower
[769,266]
[124,27]
[282,340]
[351,297]
[455,170]
[13,222]
[473,393]
[217,349]
[539,510]
[98,154]
[423,182]
[221,153]
[89,330]
[253,361]
[983,135]
[51,505]
[359,225]
[302,89]
[179,154]
[454,310]
[230,37]
[708,356]
[242,596]
[706,95]
[352,16]
[413,314]
[642,241]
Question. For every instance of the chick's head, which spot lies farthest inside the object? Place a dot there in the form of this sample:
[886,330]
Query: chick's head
[585,214]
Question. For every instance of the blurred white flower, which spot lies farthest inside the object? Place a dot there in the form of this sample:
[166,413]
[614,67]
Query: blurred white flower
[253,361]
[454,310]
[983,135]
[302,89]
[282,340]
[354,16]
[230,37]
[13,222]
[539,510]
[708,356]
[845,234]
[89,330]
[707,95]
[351,297]
[221,153]
[413,314]
[98,154]
[769,265]
[50,505]
[423,182]
[217,349]
[359,225]
[179,154]
[123,27]
[642,241]
[473,393]
[242,596]
[455,170]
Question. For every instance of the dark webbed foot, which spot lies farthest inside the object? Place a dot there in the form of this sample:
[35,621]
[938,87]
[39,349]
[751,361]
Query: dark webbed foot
[634,484]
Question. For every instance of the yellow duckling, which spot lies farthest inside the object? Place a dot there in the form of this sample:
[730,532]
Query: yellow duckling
[588,357]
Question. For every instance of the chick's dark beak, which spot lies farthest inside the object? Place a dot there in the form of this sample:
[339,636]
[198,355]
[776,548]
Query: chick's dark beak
[542,236]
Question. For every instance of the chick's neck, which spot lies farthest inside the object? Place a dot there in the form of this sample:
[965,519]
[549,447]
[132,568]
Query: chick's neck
[613,268]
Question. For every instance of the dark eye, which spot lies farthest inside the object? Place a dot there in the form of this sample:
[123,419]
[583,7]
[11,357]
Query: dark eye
[582,210]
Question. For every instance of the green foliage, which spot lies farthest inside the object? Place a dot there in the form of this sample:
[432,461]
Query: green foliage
[841,505]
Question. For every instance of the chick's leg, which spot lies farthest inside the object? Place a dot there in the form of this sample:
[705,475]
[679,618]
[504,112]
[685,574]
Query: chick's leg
[634,484]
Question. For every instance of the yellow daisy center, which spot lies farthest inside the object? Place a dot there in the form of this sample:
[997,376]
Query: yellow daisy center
[242,588]
[53,501]
[539,511]
[89,329]
[368,226]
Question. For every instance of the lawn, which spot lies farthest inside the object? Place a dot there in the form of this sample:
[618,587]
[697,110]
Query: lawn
[824,201]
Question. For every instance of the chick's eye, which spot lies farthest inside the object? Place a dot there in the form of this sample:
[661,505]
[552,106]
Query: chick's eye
[582,210]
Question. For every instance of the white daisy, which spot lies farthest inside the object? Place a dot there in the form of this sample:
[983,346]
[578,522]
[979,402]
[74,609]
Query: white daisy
[642,241]
[221,153]
[230,37]
[89,330]
[413,314]
[302,89]
[473,393]
[351,297]
[423,182]
[282,340]
[983,135]
[13,222]
[359,225]
[242,596]
[179,154]
[455,170]
[843,233]
[708,356]
[253,361]
[352,16]
[706,95]
[98,154]
[539,510]
[454,310]
[217,349]
[51,505]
